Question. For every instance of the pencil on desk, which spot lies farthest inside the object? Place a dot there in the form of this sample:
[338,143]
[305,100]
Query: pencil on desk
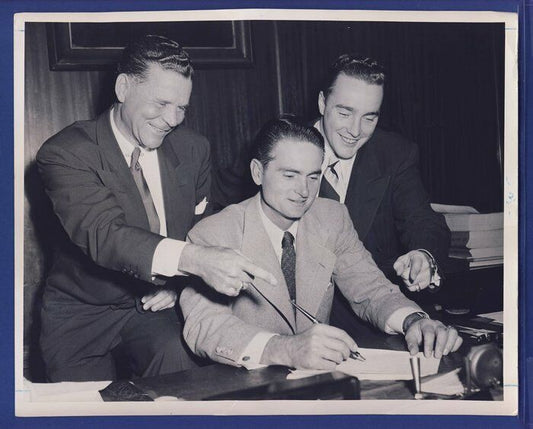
[353,355]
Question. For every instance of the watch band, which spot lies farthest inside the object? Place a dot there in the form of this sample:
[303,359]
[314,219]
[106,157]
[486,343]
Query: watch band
[412,318]
[435,278]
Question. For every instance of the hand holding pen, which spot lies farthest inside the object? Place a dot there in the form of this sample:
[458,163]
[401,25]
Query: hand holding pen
[353,354]
[319,347]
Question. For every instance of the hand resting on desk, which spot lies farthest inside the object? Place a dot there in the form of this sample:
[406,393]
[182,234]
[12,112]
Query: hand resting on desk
[434,335]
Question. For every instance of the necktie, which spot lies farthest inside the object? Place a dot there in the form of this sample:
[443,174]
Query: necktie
[137,173]
[330,183]
[288,263]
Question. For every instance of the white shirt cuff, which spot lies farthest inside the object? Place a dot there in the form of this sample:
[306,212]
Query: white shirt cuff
[251,355]
[166,258]
[394,323]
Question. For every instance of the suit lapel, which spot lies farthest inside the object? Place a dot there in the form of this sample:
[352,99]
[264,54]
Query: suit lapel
[174,174]
[113,160]
[365,190]
[314,266]
[257,246]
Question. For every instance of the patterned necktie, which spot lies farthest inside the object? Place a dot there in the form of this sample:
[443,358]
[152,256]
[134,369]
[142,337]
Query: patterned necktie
[137,173]
[288,263]
[330,183]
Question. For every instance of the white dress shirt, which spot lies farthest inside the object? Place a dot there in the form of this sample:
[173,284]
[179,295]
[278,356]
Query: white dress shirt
[168,252]
[343,167]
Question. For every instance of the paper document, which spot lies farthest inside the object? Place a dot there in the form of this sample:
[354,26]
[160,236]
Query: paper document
[496,317]
[445,384]
[379,365]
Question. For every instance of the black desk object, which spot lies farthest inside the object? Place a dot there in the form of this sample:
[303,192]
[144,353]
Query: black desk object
[223,382]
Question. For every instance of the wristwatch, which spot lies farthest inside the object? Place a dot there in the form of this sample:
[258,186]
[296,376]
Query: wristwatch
[412,318]
[435,278]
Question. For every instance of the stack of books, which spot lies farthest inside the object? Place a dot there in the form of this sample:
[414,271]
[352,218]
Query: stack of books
[476,238]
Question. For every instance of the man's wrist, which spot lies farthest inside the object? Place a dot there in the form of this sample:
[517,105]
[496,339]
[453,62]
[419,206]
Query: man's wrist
[275,351]
[435,278]
[412,319]
[188,258]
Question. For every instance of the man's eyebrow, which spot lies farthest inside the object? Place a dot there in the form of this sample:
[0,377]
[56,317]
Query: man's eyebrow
[342,106]
[289,170]
[315,172]
[351,109]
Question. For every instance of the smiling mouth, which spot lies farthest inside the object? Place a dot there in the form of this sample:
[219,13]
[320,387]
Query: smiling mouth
[350,141]
[299,202]
[159,130]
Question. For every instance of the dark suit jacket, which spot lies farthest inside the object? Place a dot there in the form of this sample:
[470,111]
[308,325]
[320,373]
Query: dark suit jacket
[109,258]
[389,205]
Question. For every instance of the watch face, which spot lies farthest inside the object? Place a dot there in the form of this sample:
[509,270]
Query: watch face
[412,318]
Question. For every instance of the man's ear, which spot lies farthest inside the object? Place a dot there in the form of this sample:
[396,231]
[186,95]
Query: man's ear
[321,103]
[257,171]
[122,85]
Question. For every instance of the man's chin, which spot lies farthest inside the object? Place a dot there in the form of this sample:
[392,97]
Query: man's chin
[151,144]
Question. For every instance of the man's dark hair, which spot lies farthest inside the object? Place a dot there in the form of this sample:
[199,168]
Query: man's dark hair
[353,65]
[152,49]
[285,127]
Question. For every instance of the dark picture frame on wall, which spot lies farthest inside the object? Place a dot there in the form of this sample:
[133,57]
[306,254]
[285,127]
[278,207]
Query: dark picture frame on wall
[97,45]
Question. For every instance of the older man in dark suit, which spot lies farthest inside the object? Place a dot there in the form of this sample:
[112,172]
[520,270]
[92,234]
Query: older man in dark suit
[127,187]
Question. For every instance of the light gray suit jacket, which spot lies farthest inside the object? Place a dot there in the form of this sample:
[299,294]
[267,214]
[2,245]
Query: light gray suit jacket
[327,250]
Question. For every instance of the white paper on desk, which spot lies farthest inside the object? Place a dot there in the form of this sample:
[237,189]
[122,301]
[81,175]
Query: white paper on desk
[496,316]
[445,384]
[379,365]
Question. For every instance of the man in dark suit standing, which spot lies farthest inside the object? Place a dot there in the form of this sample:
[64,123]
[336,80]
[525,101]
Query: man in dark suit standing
[127,187]
[375,173]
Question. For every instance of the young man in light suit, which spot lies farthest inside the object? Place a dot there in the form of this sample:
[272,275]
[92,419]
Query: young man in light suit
[308,243]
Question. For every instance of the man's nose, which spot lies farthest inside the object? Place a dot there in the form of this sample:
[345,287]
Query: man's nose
[355,127]
[172,116]
[303,188]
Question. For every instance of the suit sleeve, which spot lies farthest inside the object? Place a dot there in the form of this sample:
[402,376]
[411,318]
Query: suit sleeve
[419,226]
[90,214]
[370,294]
[211,329]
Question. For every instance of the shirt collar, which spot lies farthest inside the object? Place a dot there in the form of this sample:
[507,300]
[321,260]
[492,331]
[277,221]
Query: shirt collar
[273,231]
[344,166]
[123,143]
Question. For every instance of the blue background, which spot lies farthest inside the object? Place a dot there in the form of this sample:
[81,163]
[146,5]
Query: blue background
[7,413]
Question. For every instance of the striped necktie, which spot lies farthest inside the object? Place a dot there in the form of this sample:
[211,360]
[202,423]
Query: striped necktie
[330,183]
[137,173]
[288,263]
